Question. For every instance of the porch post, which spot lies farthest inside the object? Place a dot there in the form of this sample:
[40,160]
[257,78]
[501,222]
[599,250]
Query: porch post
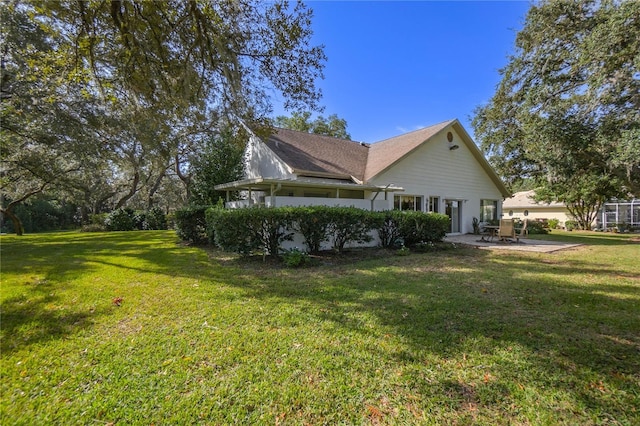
[272,196]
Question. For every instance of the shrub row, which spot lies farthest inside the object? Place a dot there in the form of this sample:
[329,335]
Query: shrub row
[251,230]
[128,220]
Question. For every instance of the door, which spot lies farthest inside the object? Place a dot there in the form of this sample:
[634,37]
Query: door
[452,209]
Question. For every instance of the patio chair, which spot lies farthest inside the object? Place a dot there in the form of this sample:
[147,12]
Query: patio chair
[507,230]
[523,231]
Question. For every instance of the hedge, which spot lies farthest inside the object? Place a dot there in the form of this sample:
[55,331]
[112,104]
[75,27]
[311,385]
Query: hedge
[264,230]
[191,225]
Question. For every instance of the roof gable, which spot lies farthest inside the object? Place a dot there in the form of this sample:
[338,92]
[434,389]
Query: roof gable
[386,153]
[316,155]
[311,154]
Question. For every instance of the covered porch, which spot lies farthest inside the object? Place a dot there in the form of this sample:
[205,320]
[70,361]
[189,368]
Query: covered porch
[269,192]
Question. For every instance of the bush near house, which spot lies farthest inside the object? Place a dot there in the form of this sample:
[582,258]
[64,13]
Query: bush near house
[190,224]
[245,231]
[250,230]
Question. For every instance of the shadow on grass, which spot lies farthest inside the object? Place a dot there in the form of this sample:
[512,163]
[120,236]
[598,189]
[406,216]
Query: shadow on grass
[37,267]
[38,317]
[578,316]
[451,304]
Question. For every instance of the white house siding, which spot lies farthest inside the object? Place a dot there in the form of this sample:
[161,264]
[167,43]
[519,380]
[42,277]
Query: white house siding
[262,162]
[433,170]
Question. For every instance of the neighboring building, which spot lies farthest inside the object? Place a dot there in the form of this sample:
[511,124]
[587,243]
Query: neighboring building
[522,206]
[613,213]
[435,169]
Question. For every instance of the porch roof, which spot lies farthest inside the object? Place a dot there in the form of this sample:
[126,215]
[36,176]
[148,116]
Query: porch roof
[265,184]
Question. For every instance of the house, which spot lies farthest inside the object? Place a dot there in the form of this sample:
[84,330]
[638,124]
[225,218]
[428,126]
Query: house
[434,169]
[522,205]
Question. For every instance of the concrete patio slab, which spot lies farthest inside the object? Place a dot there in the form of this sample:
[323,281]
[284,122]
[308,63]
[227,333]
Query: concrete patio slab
[525,244]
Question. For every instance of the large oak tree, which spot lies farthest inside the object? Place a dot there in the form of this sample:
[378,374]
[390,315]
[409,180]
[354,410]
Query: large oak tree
[566,113]
[118,91]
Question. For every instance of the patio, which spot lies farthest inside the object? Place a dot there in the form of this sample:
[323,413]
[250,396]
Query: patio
[525,244]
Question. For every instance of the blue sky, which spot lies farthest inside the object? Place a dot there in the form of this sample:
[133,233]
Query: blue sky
[394,67]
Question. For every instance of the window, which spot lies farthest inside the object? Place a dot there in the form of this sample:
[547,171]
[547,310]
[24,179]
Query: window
[488,210]
[407,202]
[526,212]
[510,212]
[434,204]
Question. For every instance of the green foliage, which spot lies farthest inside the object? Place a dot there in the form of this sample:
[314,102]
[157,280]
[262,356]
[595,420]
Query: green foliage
[93,227]
[570,225]
[566,114]
[533,227]
[300,121]
[295,257]
[349,225]
[313,224]
[155,219]
[98,218]
[190,224]
[553,223]
[387,223]
[247,230]
[120,220]
[232,231]
[220,160]
[41,214]
[101,99]
[418,227]
[403,251]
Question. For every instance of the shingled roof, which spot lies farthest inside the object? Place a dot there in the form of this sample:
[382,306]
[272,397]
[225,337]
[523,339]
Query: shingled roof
[324,156]
[384,154]
[310,154]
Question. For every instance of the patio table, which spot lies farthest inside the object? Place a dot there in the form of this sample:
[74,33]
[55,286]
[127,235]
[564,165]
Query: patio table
[491,230]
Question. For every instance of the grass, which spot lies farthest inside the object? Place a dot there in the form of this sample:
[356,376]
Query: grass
[133,328]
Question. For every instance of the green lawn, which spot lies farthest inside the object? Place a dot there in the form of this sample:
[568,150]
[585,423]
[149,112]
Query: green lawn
[454,337]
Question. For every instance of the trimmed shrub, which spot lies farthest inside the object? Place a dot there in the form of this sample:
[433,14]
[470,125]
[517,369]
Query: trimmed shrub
[98,219]
[246,230]
[191,225]
[418,227]
[120,220]
[349,225]
[553,223]
[155,219]
[570,225]
[387,223]
[313,224]
[535,227]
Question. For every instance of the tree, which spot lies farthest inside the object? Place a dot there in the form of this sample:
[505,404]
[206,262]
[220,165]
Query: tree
[566,113]
[121,90]
[301,121]
[219,161]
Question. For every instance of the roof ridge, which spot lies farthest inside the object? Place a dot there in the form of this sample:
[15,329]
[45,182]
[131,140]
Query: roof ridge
[316,135]
[417,130]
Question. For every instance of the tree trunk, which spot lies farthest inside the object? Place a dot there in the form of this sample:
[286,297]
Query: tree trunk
[17,223]
[186,179]
[132,191]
